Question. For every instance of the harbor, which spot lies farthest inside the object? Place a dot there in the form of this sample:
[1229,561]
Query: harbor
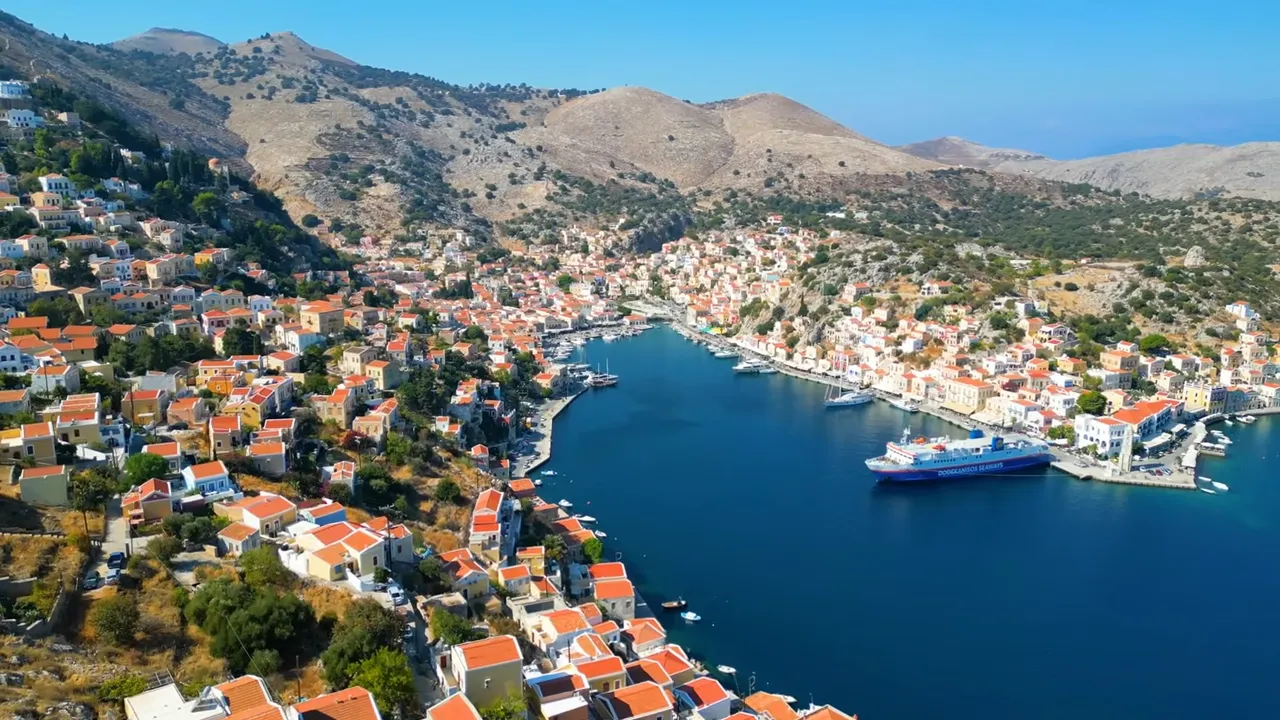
[686,456]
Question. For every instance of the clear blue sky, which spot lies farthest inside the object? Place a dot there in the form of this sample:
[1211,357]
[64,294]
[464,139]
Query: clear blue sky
[1067,78]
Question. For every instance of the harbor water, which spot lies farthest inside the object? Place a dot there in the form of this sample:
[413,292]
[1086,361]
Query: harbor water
[1027,596]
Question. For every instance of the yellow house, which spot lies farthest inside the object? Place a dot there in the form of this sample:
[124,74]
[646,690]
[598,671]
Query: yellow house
[968,395]
[487,670]
[322,317]
[32,442]
[143,407]
[46,485]
[385,374]
[42,277]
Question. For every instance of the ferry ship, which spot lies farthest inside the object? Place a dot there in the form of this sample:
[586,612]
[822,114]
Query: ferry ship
[944,458]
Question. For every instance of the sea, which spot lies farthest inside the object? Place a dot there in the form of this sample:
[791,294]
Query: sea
[1028,596]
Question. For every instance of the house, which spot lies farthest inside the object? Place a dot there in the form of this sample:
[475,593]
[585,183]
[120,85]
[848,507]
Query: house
[208,478]
[617,597]
[967,395]
[766,704]
[237,539]
[321,317]
[706,697]
[46,485]
[643,636]
[603,674]
[170,451]
[152,500]
[465,574]
[189,410]
[458,707]
[488,670]
[642,701]
[144,407]
[557,696]
[33,442]
[226,434]
[675,662]
[351,704]
[48,380]
[268,457]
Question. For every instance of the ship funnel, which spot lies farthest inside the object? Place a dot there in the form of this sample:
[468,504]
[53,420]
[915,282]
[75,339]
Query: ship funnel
[975,433]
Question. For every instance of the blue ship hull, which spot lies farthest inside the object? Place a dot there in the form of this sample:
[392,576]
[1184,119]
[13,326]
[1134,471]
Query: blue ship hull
[908,473]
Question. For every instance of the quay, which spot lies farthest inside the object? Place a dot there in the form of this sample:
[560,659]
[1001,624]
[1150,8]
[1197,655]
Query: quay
[1074,465]
[544,422]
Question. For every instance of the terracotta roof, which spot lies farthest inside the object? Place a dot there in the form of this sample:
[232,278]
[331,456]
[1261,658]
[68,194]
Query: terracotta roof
[268,506]
[704,691]
[603,667]
[457,707]
[489,652]
[826,712]
[607,571]
[645,670]
[614,589]
[38,472]
[351,704]
[236,532]
[772,705]
[567,621]
[637,700]
[244,693]
[207,470]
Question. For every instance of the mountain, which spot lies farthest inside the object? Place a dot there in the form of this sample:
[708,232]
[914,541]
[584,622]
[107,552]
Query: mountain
[1181,171]
[953,150]
[167,41]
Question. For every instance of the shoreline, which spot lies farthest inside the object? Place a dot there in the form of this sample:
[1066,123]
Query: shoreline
[1074,465]
[546,416]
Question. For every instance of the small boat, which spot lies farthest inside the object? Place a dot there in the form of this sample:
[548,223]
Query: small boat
[727,669]
[787,698]
[724,355]
[1207,490]
[905,405]
[749,367]
[1228,422]
[565,504]
[767,370]
[609,338]
[537,482]
[1220,486]
[600,533]
[690,616]
[676,604]
[584,518]
[549,473]
[1202,478]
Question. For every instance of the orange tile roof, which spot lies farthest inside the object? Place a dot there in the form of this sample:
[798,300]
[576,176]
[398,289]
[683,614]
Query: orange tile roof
[826,712]
[208,470]
[236,532]
[361,540]
[607,571]
[490,651]
[704,691]
[637,700]
[614,589]
[38,472]
[263,449]
[244,693]
[772,705]
[644,630]
[162,449]
[268,506]
[604,667]
[351,704]
[457,707]
[567,621]
[332,555]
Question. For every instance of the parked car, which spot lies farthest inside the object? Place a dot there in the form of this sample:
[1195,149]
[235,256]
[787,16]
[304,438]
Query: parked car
[397,594]
[113,576]
[116,561]
[92,580]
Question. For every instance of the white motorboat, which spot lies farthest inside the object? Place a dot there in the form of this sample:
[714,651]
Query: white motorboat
[565,504]
[1207,490]
[767,370]
[549,473]
[905,405]
[724,355]
[690,616]
[749,366]
[1228,422]
[609,338]
[537,482]
[1202,478]
[584,518]
[1220,486]
[600,533]
[727,669]
[848,399]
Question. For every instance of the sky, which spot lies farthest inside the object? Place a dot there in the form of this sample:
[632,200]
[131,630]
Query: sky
[1067,79]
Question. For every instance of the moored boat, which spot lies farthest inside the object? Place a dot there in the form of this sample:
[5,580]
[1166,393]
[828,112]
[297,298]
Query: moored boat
[749,366]
[676,604]
[727,669]
[905,405]
[584,518]
[724,355]
[944,458]
[848,399]
[565,504]
[690,616]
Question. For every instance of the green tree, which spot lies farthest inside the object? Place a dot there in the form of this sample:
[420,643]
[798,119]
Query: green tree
[309,221]
[166,199]
[511,707]
[593,550]
[387,675]
[450,628]
[366,628]
[144,466]
[564,281]
[89,491]
[1153,343]
[262,569]
[163,548]
[554,547]
[115,618]
[240,621]
[447,491]
[1092,402]
[207,206]
[238,341]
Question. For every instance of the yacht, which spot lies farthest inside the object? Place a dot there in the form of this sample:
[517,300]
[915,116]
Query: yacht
[537,482]
[609,337]
[565,504]
[724,355]
[690,616]
[584,518]
[600,533]
[905,405]
[767,370]
[1247,419]
[749,366]
[847,399]
[549,473]
[1220,486]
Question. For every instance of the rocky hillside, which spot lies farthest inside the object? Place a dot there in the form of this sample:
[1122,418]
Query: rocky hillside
[952,150]
[1183,171]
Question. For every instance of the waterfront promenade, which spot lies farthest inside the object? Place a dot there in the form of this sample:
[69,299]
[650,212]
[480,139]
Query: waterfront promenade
[1078,466]
[540,432]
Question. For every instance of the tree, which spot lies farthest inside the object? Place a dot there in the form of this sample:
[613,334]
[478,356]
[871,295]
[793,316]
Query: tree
[447,491]
[554,547]
[389,678]
[89,491]
[262,569]
[593,550]
[164,548]
[1092,402]
[366,628]
[432,570]
[238,341]
[144,466]
[309,221]
[511,707]
[564,281]
[1153,343]
[240,620]
[452,629]
[115,618]
[207,206]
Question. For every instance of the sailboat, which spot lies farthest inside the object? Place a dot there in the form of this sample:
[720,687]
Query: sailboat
[846,399]
[602,379]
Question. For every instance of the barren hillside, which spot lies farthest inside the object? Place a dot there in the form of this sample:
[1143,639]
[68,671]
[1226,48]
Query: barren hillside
[953,150]
[167,41]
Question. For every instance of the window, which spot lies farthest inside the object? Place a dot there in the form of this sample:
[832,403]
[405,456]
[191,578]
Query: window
[487,681]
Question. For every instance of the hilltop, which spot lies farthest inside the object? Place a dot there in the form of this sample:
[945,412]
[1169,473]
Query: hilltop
[1250,170]
[167,41]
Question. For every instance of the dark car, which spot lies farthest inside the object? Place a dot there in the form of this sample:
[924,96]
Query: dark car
[92,580]
[115,561]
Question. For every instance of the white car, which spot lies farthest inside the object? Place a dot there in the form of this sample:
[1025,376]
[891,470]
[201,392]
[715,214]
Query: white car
[397,595]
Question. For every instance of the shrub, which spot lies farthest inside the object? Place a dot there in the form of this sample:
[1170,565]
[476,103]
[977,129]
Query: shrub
[121,687]
[116,619]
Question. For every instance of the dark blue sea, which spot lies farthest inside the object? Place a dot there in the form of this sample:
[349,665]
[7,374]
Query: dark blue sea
[1037,596]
